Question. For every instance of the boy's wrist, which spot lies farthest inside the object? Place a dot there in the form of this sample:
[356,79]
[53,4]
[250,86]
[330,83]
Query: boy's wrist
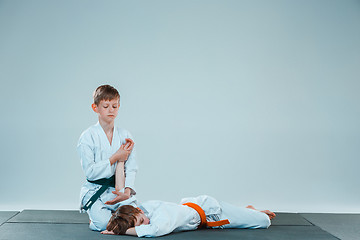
[113,159]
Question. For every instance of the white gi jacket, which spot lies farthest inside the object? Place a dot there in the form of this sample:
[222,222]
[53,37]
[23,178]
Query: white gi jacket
[95,150]
[168,217]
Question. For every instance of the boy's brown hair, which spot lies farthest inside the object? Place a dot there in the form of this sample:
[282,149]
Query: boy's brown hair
[122,219]
[105,92]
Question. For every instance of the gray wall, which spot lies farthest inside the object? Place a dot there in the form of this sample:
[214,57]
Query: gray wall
[249,101]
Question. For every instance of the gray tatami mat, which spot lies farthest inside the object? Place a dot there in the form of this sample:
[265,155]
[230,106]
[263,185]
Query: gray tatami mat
[50,216]
[6,215]
[289,219]
[55,216]
[343,226]
[272,233]
[297,232]
[46,231]
[39,231]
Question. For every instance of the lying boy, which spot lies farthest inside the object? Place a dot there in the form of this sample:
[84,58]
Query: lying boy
[158,218]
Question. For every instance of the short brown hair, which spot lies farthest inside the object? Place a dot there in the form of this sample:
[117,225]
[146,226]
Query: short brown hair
[122,219]
[105,92]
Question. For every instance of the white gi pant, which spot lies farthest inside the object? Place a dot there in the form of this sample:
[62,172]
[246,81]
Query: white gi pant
[239,217]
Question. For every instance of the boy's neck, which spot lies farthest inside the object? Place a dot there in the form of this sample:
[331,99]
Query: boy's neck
[107,126]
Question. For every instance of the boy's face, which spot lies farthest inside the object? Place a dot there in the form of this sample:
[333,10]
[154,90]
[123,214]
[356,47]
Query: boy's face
[107,109]
[141,219]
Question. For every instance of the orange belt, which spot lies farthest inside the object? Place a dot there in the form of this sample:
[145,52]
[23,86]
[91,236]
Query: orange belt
[204,223]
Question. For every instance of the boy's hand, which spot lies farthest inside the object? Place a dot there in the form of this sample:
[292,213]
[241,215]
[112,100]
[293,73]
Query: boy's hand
[129,145]
[119,198]
[108,232]
[125,150]
[122,154]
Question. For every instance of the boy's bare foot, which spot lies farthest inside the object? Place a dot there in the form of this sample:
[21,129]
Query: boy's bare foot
[251,207]
[269,213]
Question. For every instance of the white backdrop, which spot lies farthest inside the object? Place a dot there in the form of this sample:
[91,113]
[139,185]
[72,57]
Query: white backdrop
[252,102]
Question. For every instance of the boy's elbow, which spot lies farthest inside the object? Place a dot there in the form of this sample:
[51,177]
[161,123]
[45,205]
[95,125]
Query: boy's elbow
[89,173]
[92,175]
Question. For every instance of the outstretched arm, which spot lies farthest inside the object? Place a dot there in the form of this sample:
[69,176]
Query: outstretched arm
[120,167]
[130,169]
[130,231]
[119,184]
[119,176]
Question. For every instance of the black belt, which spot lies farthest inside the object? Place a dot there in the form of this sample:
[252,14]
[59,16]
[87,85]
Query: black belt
[105,184]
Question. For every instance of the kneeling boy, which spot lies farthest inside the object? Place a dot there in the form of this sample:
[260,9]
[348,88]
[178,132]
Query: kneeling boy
[103,149]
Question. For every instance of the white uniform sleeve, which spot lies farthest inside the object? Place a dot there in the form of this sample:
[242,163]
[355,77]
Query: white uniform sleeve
[93,169]
[131,169]
[152,230]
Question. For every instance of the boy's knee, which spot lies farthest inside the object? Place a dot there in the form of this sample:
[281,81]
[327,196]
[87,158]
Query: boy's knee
[99,220]
[261,221]
[266,222]
[99,216]
[98,225]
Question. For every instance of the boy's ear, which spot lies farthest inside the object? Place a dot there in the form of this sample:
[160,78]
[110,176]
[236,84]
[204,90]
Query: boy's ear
[94,107]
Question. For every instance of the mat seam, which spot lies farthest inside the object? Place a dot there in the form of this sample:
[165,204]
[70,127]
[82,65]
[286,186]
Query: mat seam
[310,226]
[329,233]
[321,228]
[306,219]
[10,218]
